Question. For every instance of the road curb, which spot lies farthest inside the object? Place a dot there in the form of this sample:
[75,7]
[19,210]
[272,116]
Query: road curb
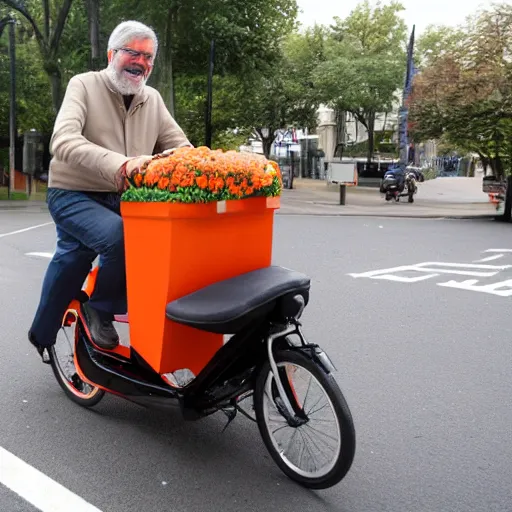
[384,216]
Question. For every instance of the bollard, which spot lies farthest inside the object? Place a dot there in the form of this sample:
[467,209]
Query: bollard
[343,194]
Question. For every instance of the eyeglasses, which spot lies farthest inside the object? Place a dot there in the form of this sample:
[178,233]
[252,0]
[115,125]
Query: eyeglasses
[136,54]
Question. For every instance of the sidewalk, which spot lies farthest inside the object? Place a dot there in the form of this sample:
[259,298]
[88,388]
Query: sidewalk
[23,205]
[443,197]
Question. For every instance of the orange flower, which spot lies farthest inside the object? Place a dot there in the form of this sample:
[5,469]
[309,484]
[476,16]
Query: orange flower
[266,180]
[163,182]
[219,182]
[256,182]
[187,180]
[150,178]
[212,184]
[242,174]
[202,181]
[177,176]
[234,190]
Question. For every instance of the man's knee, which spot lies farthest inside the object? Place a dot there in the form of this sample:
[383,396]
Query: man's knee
[115,238]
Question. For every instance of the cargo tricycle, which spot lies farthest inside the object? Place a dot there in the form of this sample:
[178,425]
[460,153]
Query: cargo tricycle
[215,327]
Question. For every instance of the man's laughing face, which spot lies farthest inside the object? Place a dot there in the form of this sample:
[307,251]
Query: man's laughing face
[131,65]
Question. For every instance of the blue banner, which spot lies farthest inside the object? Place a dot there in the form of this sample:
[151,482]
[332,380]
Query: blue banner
[404,111]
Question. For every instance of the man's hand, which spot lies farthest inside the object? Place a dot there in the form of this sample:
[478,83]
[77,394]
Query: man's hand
[134,164]
[171,151]
[128,169]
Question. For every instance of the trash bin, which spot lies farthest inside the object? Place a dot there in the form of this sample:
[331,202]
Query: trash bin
[33,152]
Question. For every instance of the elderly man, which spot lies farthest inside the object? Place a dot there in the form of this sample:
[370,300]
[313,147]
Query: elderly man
[109,124]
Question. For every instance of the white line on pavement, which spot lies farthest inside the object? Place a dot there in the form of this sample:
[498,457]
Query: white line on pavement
[490,258]
[38,489]
[25,229]
[40,254]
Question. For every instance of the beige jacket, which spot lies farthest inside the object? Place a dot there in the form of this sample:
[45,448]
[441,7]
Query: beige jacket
[94,134]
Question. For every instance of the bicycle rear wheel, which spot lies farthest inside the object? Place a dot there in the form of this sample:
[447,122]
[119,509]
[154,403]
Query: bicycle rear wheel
[326,425]
[63,365]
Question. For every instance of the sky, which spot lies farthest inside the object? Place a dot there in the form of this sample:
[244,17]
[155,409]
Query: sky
[419,12]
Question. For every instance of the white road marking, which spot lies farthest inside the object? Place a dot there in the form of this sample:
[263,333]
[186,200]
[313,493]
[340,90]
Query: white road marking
[433,269]
[428,270]
[38,489]
[25,229]
[40,254]
[490,258]
[502,289]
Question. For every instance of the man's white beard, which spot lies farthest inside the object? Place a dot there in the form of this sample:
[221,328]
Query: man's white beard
[123,85]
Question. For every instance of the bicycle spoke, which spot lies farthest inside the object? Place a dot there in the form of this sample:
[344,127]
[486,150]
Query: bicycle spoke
[317,410]
[316,403]
[307,393]
[322,439]
[307,448]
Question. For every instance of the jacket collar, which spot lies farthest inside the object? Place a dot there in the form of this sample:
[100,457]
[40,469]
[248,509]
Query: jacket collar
[137,99]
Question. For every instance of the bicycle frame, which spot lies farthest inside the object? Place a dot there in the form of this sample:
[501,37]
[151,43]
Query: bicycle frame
[229,374]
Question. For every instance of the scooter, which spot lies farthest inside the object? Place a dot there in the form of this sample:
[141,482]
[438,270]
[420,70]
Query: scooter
[398,183]
[262,361]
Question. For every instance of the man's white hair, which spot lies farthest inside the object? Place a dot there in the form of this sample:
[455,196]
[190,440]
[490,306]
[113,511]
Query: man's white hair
[129,30]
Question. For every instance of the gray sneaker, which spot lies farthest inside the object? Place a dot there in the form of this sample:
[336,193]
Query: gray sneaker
[102,330]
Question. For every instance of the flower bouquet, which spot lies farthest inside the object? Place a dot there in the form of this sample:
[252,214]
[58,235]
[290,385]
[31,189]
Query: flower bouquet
[202,175]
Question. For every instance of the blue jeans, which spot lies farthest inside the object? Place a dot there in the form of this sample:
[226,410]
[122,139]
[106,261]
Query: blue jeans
[88,225]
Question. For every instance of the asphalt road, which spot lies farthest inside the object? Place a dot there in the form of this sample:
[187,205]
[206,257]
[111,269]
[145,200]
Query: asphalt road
[425,368]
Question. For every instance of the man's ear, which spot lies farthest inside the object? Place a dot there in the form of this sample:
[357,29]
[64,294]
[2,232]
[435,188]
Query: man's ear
[110,55]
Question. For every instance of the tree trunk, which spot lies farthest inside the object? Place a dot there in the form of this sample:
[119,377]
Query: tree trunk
[498,165]
[340,132]
[371,135]
[46,14]
[498,139]
[485,162]
[56,85]
[164,76]
[93,13]
[507,213]
[267,146]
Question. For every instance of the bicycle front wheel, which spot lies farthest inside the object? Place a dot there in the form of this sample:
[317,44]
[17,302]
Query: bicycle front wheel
[318,452]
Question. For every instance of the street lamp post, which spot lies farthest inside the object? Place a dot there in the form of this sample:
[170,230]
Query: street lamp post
[9,20]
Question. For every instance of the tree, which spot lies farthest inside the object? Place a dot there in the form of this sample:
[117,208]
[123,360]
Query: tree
[33,98]
[464,97]
[436,42]
[247,34]
[248,39]
[47,25]
[278,96]
[365,64]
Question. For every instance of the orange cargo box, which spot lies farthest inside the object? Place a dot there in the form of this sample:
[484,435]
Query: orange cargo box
[173,249]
